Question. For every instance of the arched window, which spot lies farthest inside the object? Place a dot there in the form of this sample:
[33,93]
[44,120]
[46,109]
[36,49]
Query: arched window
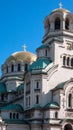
[68,59]
[37,99]
[45,52]
[37,84]
[17,115]
[19,67]
[13,115]
[64,60]
[57,23]
[67,24]
[7,69]
[68,127]
[26,67]
[10,115]
[56,115]
[72,62]
[69,100]
[12,68]
[2,97]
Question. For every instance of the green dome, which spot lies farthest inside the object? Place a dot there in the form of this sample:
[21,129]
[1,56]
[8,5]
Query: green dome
[52,105]
[3,88]
[39,64]
[15,107]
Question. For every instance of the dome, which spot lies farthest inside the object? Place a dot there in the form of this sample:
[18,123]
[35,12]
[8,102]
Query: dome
[62,10]
[21,56]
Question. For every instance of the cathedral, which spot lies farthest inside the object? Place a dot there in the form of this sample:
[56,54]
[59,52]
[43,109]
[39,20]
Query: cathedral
[36,91]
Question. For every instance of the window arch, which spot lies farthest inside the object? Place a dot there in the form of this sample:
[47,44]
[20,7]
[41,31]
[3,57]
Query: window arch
[19,67]
[68,59]
[12,68]
[45,52]
[64,60]
[72,62]
[67,24]
[69,100]
[57,23]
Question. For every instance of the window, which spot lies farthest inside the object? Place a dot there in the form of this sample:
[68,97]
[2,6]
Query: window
[56,115]
[17,115]
[29,100]
[64,60]
[26,67]
[67,24]
[7,69]
[57,23]
[68,61]
[37,85]
[69,100]
[37,99]
[19,67]
[10,115]
[2,97]
[13,115]
[45,52]
[72,62]
[12,68]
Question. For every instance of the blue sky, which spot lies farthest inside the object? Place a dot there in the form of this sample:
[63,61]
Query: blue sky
[21,22]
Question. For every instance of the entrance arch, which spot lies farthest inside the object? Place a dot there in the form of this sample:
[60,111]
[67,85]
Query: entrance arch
[68,127]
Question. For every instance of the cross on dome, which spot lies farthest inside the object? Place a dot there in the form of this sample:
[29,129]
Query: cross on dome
[24,47]
[60,4]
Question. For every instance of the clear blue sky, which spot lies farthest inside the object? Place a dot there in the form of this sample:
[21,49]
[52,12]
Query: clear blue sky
[21,22]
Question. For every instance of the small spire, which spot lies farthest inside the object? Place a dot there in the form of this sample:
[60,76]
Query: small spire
[24,47]
[60,4]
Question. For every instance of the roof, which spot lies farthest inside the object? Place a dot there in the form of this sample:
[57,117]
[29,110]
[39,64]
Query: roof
[3,88]
[15,107]
[62,10]
[52,105]
[20,87]
[59,86]
[40,64]
[42,47]
[22,56]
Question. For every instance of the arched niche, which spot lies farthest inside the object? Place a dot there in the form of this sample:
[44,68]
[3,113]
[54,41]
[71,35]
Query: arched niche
[68,127]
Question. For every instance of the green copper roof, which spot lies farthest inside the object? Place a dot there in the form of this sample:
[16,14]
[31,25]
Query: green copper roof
[43,46]
[52,105]
[3,88]
[15,107]
[20,87]
[13,121]
[39,64]
[59,86]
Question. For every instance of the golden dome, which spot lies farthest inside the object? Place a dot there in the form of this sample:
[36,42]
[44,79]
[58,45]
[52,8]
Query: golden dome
[61,10]
[23,56]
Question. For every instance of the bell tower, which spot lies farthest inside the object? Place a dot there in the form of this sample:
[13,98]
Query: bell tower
[58,34]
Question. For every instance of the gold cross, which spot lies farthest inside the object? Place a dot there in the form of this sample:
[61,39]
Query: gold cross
[60,5]
[24,47]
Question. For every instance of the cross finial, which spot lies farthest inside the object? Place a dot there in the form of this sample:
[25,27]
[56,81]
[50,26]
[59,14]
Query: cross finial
[24,47]
[60,5]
